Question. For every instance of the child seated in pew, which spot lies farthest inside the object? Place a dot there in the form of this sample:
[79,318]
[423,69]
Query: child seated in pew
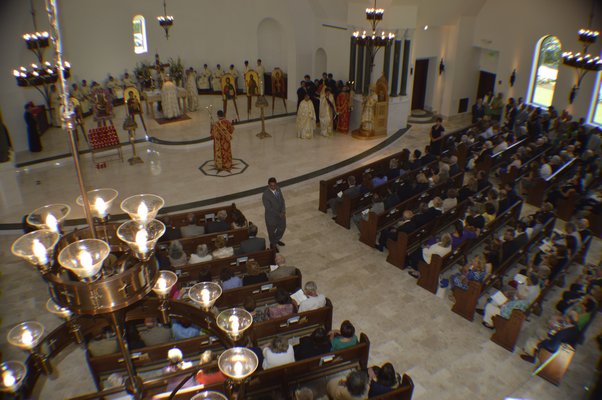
[343,338]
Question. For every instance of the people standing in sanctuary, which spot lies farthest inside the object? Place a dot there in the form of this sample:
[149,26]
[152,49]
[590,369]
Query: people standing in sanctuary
[260,71]
[169,99]
[301,93]
[55,106]
[221,132]
[478,111]
[216,80]
[204,79]
[33,135]
[343,110]
[327,111]
[368,106]
[192,94]
[436,137]
[306,119]
[275,213]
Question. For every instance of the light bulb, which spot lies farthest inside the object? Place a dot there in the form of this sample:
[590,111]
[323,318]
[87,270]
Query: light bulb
[52,223]
[142,212]
[85,259]
[27,338]
[16,73]
[39,251]
[238,368]
[162,283]
[205,296]
[101,206]
[141,239]
[234,324]
[8,379]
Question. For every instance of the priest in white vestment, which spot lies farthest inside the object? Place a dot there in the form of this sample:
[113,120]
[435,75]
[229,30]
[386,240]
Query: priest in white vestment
[306,119]
[216,82]
[115,87]
[327,110]
[169,99]
[204,78]
[192,94]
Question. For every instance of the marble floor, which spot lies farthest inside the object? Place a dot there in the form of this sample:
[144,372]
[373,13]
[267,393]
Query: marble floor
[446,356]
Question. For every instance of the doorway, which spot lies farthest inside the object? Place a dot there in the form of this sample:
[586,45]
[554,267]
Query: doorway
[421,70]
[486,84]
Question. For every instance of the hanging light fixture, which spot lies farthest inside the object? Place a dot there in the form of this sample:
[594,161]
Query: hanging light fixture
[373,38]
[582,61]
[165,21]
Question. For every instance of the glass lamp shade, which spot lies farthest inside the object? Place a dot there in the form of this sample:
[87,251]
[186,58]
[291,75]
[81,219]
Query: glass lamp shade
[36,247]
[234,321]
[100,201]
[164,283]
[26,335]
[205,293]
[49,217]
[141,238]
[142,208]
[55,309]
[84,258]
[13,373]
[209,395]
[237,363]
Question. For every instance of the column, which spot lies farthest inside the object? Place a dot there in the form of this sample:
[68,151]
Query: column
[405,67]
[367,69]
[352,54]
[387,62]
[359,73]
[395,77]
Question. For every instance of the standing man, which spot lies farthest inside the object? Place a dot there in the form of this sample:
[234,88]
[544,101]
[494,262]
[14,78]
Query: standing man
[436,137]
[221,132]
[275,213]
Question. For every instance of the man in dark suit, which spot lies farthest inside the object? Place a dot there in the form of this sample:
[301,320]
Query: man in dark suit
[253,243]
[219,225]
[275,213]
[406,225]
[569,334]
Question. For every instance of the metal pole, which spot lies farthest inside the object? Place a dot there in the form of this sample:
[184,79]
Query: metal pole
[68,115]
[134,384]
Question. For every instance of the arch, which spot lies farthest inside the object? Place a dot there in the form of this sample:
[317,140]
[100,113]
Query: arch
[139,34]
[595,108]
[271,46]
[320,62]
[544,71]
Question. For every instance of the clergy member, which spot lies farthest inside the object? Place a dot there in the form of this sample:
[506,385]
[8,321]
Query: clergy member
[221,133]
[327,111]
[343,110]
[216,81]
[204,80]
[306,118]
[192,93]
[169,99]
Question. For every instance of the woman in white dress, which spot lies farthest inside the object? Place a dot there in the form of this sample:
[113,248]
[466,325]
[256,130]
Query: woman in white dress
[192,94]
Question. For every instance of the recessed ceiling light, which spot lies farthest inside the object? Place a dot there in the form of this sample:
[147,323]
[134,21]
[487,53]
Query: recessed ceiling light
[426,27]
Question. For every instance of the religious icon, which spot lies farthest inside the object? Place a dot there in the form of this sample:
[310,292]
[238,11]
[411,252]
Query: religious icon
[229,92]
[278,87]
[251,83]
[132,101]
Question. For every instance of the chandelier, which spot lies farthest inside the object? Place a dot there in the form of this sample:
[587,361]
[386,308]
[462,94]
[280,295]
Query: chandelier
[85,288]
[373,38]
[165,21]
[42,74]
[582,61]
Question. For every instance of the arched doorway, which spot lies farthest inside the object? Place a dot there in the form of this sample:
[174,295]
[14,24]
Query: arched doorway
[320,63]
[271,42]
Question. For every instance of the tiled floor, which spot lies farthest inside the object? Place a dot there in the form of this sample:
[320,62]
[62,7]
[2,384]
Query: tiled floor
[447,356]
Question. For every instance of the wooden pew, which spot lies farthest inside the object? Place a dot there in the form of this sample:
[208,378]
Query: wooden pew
[201,216]
[351,205]
[493,162]
[260,291]
[565,207]
[507,331]
[234,237]
[430,273]
[370,228]
[403,392]
[513,174]
[330,187]
[537,193]
[466,300]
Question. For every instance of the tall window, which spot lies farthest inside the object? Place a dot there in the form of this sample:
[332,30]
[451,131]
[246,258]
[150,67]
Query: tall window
[596,107]
[139,28]
[543,78]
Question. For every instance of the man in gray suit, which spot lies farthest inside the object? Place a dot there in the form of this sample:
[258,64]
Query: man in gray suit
[275,213]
